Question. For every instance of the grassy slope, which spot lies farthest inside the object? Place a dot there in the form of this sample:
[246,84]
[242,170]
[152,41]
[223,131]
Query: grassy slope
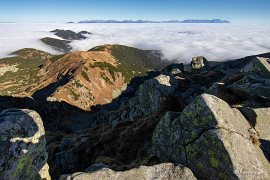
[132,61]
[27,70]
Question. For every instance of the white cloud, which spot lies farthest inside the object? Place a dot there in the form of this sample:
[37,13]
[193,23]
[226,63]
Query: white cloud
[176,41]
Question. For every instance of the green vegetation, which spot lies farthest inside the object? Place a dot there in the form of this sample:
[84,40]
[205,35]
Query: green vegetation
[77,84]
[26,74]
[85,76]
[98,48]
[107,66]
[85,68]
[103,76]
[24,168]
[30,52]
[57,57]
[130,61]
[75,96]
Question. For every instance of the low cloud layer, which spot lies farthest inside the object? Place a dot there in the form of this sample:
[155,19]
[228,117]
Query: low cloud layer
[216,42]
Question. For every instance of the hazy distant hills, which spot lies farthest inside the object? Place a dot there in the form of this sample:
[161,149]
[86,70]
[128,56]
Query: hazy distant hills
[147,21]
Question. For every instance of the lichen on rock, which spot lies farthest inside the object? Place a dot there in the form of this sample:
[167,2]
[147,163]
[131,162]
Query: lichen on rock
[215,142]
[22,145]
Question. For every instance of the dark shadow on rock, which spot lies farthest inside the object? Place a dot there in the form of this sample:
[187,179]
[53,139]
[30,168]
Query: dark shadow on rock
[206,146]
[132,87]
[250,115]
[126,145]
[50,112]
[265,146]
[20,160]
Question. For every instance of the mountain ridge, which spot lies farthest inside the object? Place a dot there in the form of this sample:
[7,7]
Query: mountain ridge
[148,21]
[206,120]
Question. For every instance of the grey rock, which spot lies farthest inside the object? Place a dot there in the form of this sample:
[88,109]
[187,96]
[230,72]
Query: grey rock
[150,97]
[22,145]
[165,171]
[163,139]
[153,92]
[199,63]
[214,141]
[174,69]
[96,167]
[221,91]
[259,66]
[252,87]
[260,120]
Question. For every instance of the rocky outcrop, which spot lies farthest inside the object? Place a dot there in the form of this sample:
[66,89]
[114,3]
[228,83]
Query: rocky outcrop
[258,66]
[174,69]
[124,146]
[212,139]
[255,84]
[199,63]
[22,145]
[163,171]
[145,116]
[150,97]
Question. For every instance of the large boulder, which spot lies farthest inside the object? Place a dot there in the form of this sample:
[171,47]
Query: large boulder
[163,139]
[165,171]
[254,88]
[153,93]
[22,145]
[199,63]
[259,66]
[150,97]
[255,84]
[213,140]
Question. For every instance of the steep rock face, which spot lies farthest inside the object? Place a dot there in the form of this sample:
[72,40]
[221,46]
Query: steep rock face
[163,171]
[22,145]
[259,118]
[163,139]
[212,139]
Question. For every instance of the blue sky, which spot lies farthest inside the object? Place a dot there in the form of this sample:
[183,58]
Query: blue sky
[238,11]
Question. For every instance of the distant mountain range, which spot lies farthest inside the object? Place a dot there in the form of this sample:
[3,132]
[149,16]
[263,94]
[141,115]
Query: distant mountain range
[147,21]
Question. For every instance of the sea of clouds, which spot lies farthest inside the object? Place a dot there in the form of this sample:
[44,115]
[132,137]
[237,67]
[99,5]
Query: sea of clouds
[217,42]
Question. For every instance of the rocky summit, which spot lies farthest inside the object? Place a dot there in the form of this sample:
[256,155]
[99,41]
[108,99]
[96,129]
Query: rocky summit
[117,112]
